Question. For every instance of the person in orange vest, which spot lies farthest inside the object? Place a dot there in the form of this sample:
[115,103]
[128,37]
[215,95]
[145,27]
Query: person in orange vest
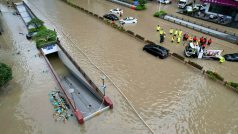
[209,42]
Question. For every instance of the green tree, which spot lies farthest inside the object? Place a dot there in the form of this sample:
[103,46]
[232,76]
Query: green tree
[5,74]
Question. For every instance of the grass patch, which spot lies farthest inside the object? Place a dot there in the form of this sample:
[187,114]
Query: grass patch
[160,14]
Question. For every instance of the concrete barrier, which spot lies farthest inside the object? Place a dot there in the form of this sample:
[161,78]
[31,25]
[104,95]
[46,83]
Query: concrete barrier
[178,56]
[195,65]
[233,87]
[121,29]
[130,32]
[101,18]
[139,37]
[214,75]
[149,42]
[95,15]
[91,13]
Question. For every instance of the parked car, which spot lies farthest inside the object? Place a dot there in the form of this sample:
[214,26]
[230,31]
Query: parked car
[156,50]
[231,57]
[117,11]
[111,17]
[189,9]
[128,20]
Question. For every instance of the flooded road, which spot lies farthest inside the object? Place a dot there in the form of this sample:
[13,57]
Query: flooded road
[170,97]
[146,27]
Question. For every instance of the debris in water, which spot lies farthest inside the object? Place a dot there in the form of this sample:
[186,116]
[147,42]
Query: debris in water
[61,109]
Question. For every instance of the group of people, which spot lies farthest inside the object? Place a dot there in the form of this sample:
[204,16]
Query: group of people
[176,35]
[203,42]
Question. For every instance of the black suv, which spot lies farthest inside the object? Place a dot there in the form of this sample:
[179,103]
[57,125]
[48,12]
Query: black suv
[157,50]
[111,17]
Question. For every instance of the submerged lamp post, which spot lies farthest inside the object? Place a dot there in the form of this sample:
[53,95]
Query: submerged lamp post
[103,87]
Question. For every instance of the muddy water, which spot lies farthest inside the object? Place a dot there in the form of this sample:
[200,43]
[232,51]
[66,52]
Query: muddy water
[171,97]
[146,27]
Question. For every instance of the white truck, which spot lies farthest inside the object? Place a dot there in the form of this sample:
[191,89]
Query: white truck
[184,3]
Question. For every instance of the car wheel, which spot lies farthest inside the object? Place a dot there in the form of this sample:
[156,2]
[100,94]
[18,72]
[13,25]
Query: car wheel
[133,22]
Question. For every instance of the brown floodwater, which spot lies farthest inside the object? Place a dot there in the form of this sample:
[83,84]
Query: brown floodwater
[146,27]
[170,97]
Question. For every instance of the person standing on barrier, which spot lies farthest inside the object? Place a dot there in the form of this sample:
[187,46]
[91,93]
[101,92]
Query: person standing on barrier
[171,31]
[157,28]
